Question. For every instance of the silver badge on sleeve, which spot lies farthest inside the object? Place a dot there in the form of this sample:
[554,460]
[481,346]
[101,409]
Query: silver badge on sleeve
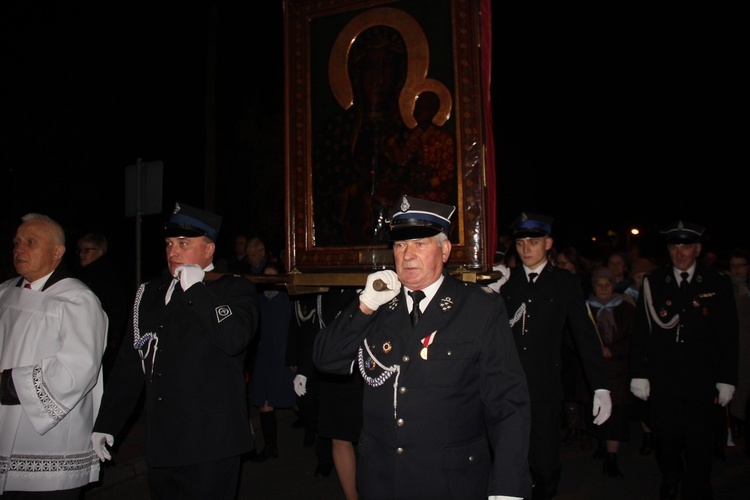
[222,313]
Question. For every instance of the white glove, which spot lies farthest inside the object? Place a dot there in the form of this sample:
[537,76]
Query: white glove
[99,440]
[641,388]
[726,392]
[505,274]
[602,406]
[300,385]
[373,298]
[189,275]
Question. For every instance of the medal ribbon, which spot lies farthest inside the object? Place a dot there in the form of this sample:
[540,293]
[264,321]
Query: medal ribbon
[427,341]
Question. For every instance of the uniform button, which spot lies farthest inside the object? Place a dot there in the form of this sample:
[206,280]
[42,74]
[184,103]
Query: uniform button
[190,302]
[399,451]
[405,359]
[402,390]
[471,458]
[400,422]
[159,398]
[161,326]
[450,353]
[525,348]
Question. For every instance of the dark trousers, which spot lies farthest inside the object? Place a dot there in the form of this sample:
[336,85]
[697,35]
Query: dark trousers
[71,494]
[685,444]
[544,448]
[216,480]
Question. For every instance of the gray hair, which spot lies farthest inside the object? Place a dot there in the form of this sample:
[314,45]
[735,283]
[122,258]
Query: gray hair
[56,230]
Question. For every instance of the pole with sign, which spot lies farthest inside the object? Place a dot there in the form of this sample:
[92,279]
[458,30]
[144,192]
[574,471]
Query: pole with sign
[143,186]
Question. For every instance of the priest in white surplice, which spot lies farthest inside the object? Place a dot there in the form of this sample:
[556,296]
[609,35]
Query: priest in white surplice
[52,337]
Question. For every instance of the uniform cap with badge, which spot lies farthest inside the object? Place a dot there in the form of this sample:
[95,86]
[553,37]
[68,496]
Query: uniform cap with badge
[192,222]
[415,218]
[530,225]
[683,232]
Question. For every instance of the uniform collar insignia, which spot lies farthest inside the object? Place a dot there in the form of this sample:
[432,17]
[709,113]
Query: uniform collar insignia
[446,303]
[393,304]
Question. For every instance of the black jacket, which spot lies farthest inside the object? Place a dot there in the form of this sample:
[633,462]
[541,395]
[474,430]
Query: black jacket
[430,422]
[553,300]
[192,369]
[685,345]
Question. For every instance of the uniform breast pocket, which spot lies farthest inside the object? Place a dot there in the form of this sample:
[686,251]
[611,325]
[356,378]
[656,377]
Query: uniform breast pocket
[448,362]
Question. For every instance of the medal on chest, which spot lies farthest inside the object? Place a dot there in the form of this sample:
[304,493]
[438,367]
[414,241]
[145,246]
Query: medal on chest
[426,342]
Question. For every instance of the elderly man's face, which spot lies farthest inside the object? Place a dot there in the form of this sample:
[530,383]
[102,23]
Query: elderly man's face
[683,255]
[35,253]
[419,263]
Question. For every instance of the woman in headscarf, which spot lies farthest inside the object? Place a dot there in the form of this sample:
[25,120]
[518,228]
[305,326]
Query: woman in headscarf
[614,321]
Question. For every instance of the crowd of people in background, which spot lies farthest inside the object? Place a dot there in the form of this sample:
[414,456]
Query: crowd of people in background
[611,284]
[677,410]
[279,371]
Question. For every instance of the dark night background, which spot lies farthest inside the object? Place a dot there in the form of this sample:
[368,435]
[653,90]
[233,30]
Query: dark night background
[602,119]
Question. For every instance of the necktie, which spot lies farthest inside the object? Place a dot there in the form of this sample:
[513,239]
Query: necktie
[532,277]
[684,283]
[416,313]
[27,285]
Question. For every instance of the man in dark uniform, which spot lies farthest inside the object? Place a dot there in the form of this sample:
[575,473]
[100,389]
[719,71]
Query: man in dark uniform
[188,349]
[541,299]
[683,360]
[446,407]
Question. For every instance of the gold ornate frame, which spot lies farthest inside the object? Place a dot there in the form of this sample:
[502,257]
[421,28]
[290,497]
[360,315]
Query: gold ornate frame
[443,51]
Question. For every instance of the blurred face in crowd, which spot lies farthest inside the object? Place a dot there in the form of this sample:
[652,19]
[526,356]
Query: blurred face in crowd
[419,262]
[683,255]
[256,252]
[37,250]
[603,289]
[564,263]
[182,250]
[616,264]
[88,253]
[738,267]
[533,251]
[239,245]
